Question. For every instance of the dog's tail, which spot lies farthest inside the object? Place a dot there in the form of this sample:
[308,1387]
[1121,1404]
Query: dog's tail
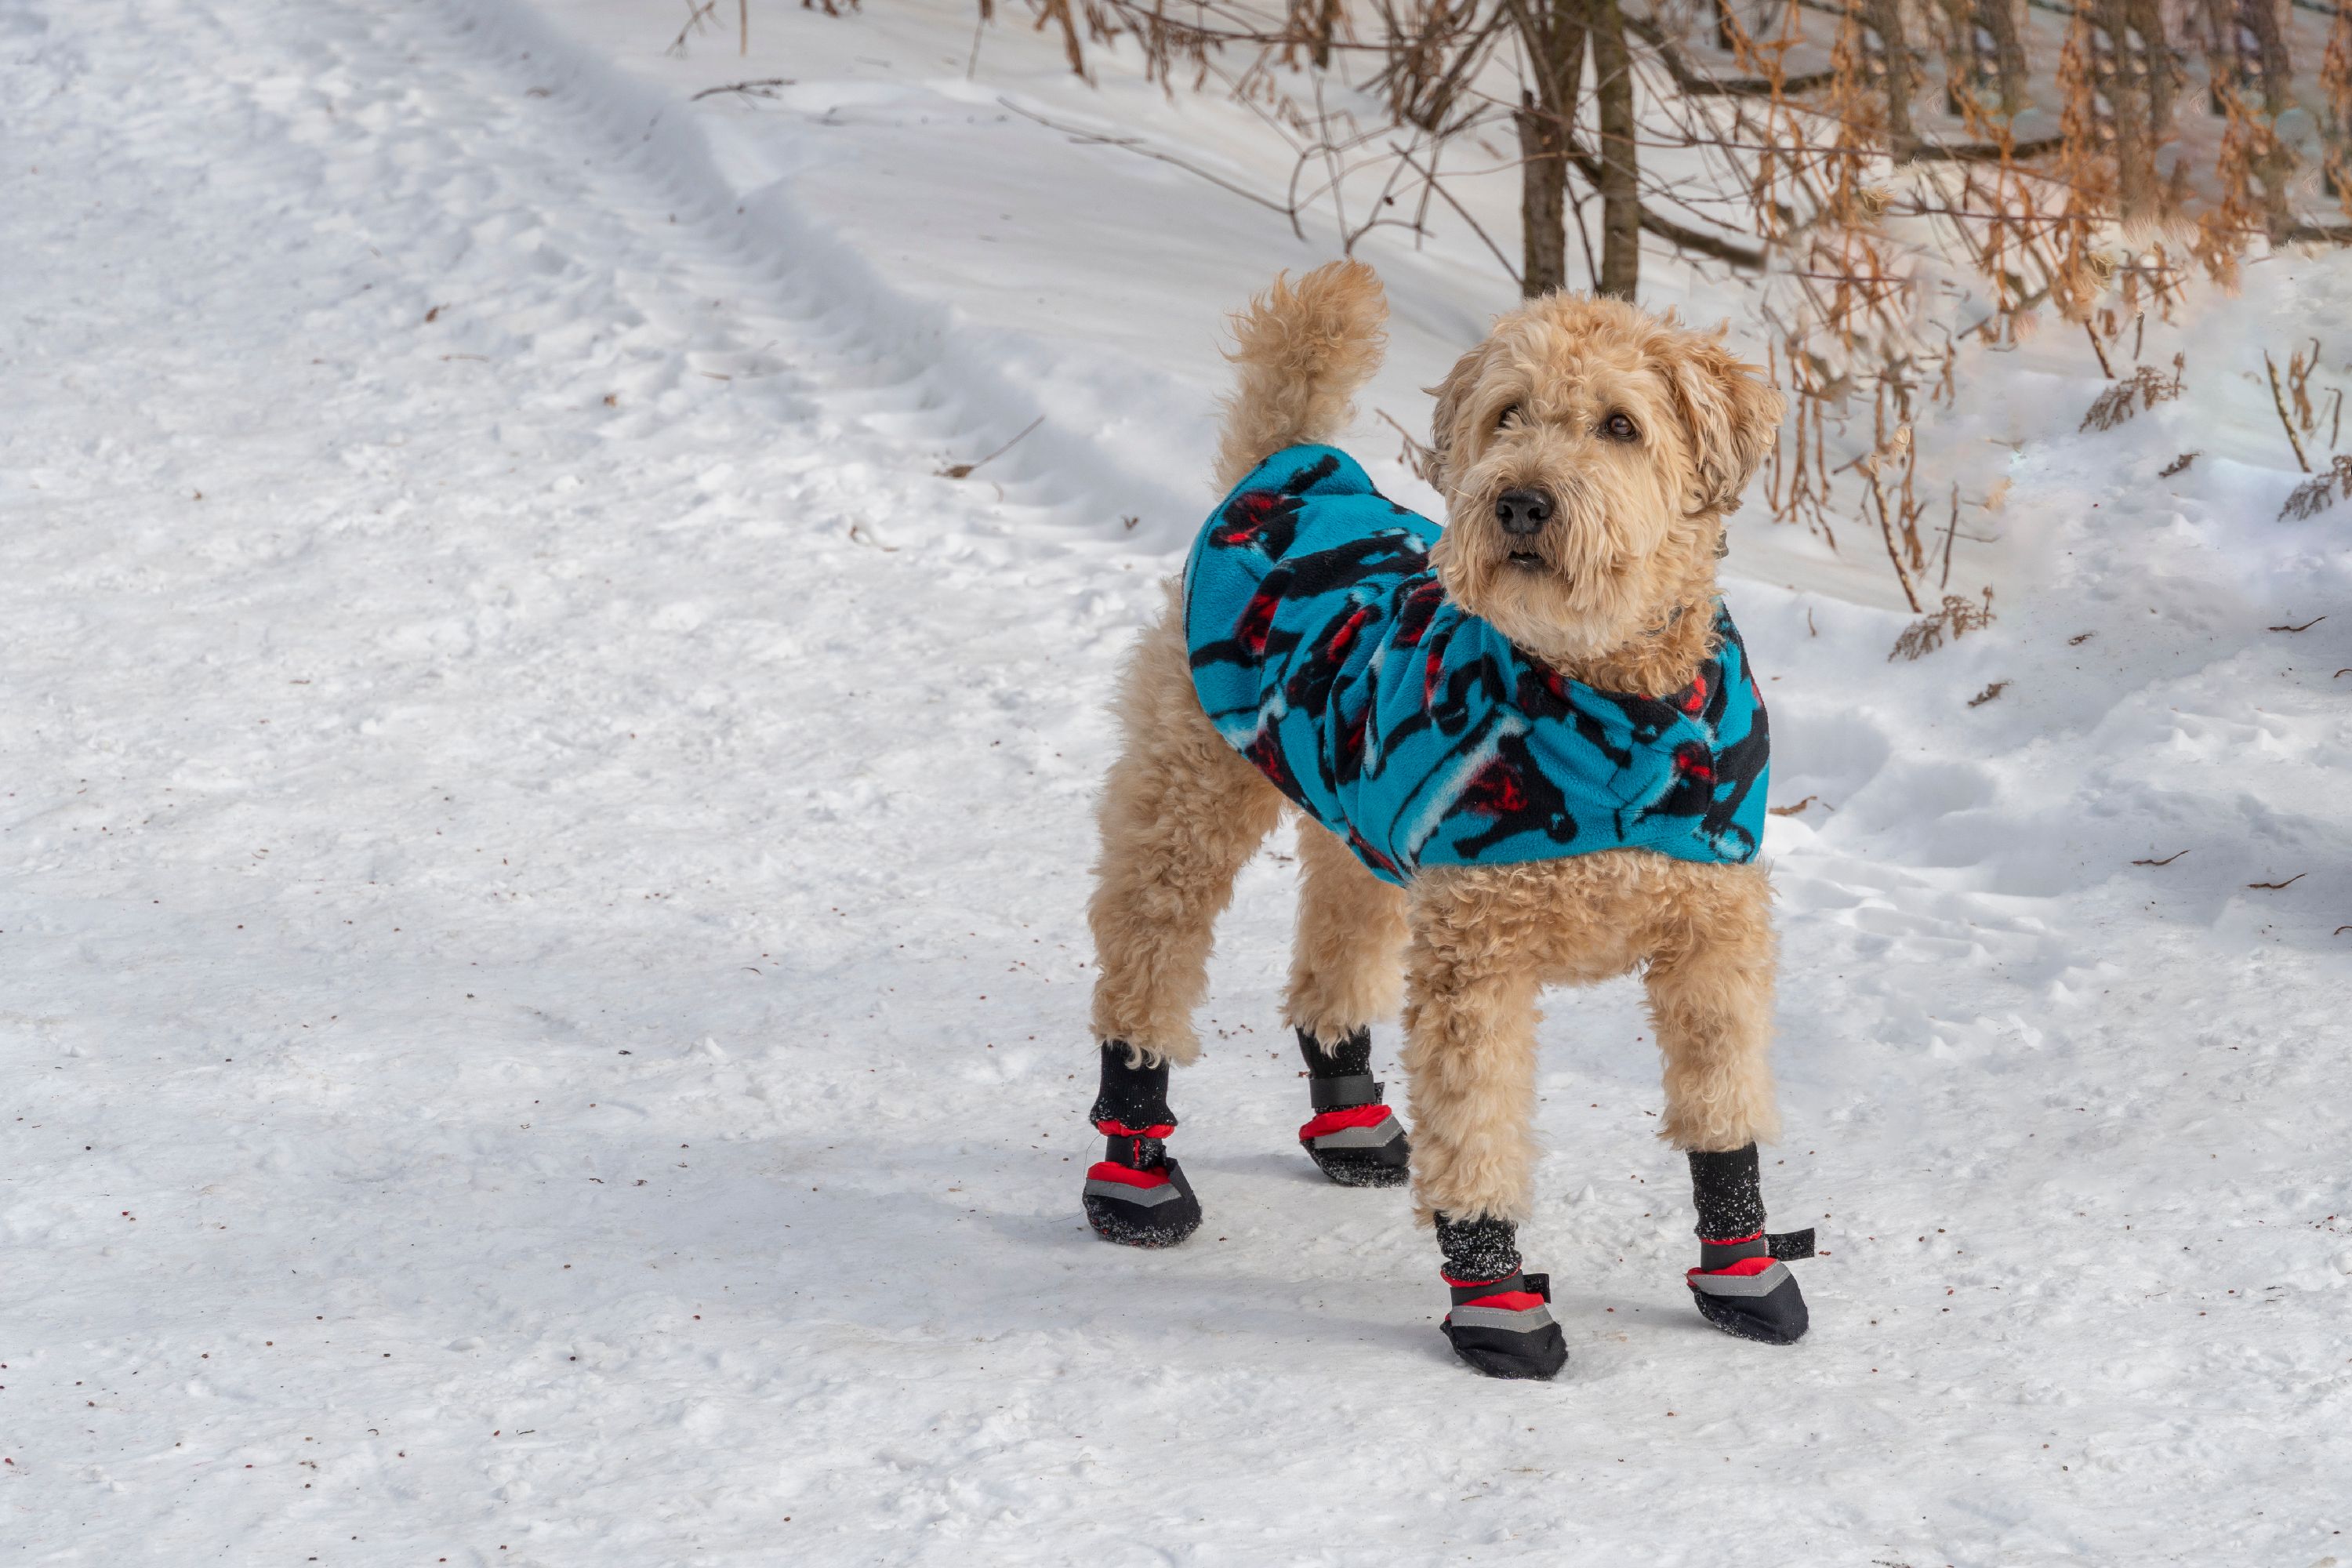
[1303,348]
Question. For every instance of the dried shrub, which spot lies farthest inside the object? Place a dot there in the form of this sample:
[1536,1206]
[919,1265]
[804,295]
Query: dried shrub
[2320,492]
[1417,455]
[1954,619]
[2146,389]
[1898,181]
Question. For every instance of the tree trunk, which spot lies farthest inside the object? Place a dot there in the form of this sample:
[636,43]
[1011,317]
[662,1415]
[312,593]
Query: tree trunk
[2262,19]
[1885,18]
[1621,194]
[1552,33]
[2137,193]
[2336,88]
[1999,18]
[1983,57]
[1543,204]
[1963,73]
[2221,30]
[2146,16]
[2276,165]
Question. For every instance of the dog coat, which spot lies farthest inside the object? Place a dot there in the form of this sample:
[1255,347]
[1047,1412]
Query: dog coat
[1325,652]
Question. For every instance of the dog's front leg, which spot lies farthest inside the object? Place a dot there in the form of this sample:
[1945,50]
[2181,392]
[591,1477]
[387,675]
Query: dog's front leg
[1710,984]
[1469,1059]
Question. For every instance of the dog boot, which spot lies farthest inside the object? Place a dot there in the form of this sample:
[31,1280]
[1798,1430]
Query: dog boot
[1742,1284]
[1353,1138]
[1137,1195]
[1501,1323]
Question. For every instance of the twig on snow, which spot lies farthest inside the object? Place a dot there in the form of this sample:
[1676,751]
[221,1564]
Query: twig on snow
[698,16]
[1417,454]
[764,86]
[964,470]
[2098,349]
[1135,144]
[1460,212]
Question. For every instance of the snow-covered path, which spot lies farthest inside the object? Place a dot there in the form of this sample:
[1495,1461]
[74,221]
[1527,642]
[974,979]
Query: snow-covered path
[462,770]
[540,871]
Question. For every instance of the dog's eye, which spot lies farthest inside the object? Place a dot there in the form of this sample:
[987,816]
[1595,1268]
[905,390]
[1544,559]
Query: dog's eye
[1503,420]
[1619,427]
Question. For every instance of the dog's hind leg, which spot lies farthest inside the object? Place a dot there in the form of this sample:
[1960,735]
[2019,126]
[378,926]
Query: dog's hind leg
[1182,813]
[1472,972]
[1346,970]
[1710,985]
[1347,959]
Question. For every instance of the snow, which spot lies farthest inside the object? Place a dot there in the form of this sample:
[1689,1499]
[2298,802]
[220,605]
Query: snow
[545,851]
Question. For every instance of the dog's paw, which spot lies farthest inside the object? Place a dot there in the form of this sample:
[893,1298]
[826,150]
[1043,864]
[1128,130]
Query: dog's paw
[1755,1298]
[1506,1329]
[1153,1207]
[1358,1146]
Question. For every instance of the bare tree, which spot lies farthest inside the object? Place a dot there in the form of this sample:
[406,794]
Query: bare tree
[1892,178]
[1552,33]
[1621,174]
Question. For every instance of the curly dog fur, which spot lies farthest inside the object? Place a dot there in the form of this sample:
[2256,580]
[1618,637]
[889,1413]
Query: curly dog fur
[1619,599]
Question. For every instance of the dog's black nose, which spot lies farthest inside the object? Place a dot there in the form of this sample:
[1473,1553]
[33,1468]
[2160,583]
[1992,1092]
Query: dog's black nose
[1522,512]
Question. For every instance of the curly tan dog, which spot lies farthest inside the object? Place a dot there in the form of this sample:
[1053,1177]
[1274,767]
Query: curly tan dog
[1527,751]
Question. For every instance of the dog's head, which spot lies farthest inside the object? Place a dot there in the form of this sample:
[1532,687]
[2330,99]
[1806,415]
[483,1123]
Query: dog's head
[1587,452]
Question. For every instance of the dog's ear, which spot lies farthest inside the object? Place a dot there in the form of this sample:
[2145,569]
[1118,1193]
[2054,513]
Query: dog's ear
[1732,413]
[1447,430]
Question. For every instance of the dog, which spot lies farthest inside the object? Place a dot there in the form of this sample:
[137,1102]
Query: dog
[1526,751]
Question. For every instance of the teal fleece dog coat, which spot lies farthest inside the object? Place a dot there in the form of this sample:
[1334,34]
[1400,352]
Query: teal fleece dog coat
[1325,652]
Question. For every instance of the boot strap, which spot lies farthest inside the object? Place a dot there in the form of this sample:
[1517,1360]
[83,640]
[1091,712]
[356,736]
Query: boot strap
[1534,1284]
[1780,1245]
[1343,1093]
[1136,1152]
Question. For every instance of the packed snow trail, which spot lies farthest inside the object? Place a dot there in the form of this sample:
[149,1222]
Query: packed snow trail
[544,1019]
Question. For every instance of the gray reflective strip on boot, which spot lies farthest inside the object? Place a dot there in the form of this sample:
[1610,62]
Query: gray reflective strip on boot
[1146,1197]
[1761,1283]
[1535,1317]
[1378,1135]
[1337,1093]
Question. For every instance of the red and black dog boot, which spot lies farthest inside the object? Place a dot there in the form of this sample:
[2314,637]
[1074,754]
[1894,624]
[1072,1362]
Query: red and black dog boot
[1137,1195]
[1742,1284]
[1353,1138]
[1501,1323]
